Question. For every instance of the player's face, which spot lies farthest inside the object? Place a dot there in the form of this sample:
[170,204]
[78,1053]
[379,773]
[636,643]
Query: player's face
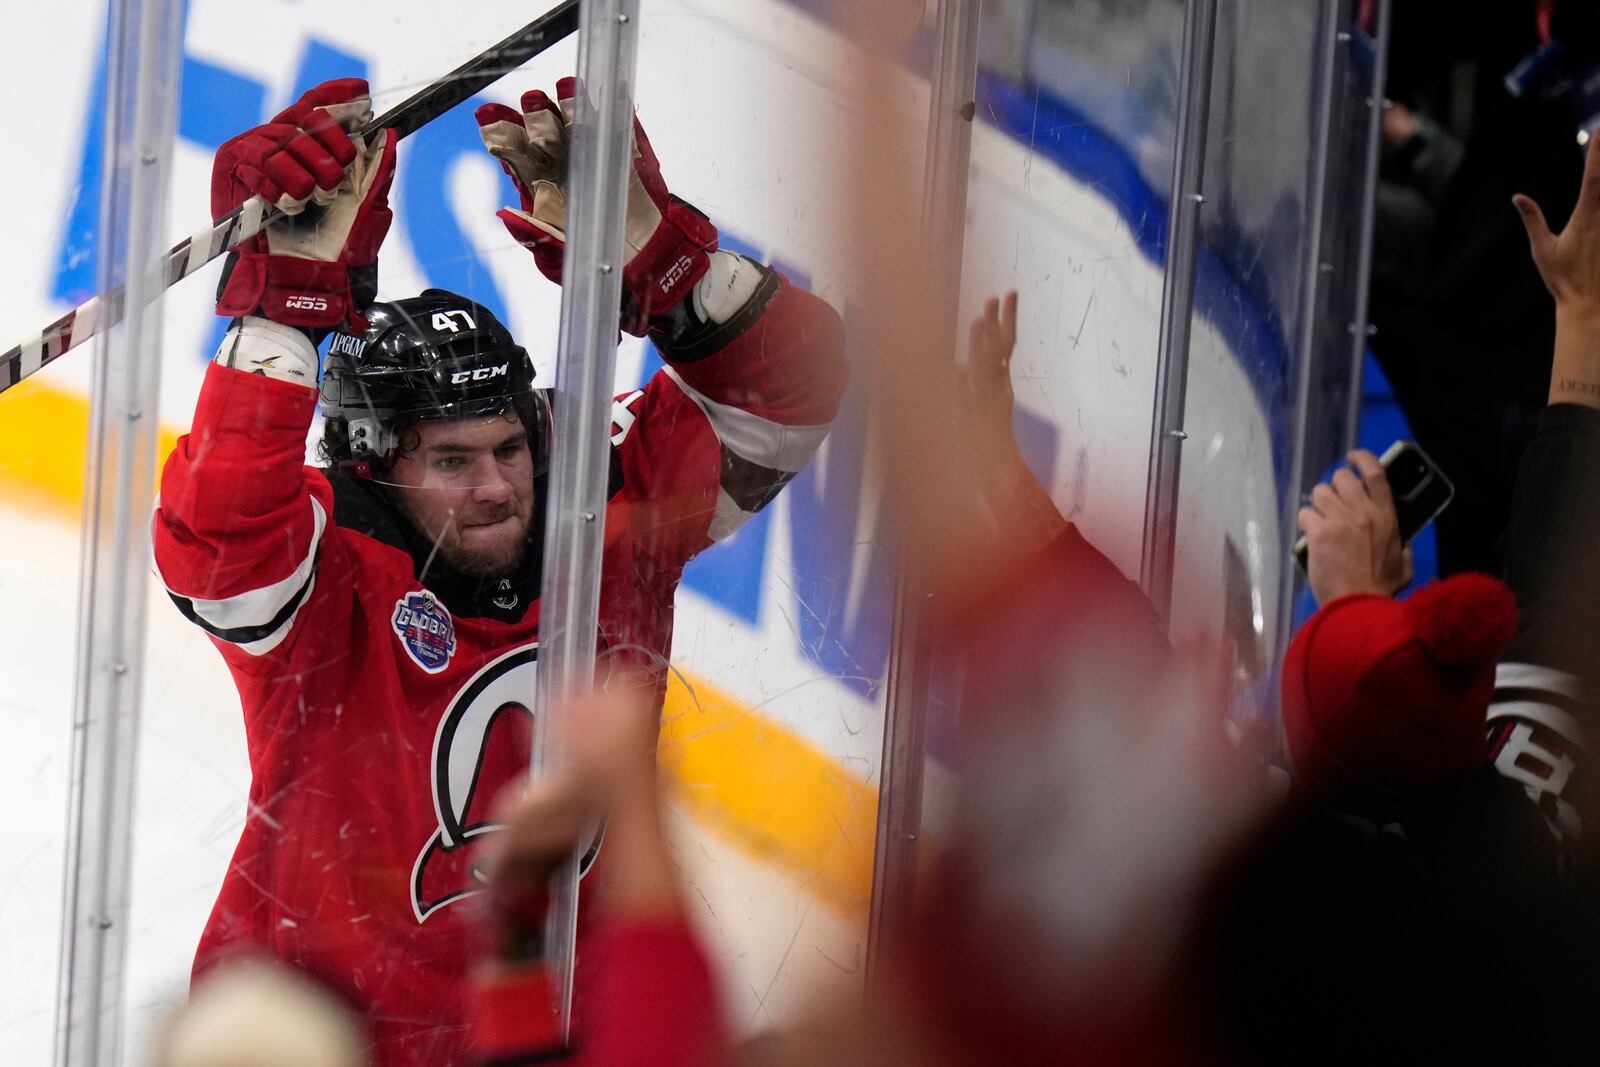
[468,486]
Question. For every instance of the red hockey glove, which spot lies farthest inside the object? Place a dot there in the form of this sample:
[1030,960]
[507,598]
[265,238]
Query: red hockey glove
[667,243]
[336,193]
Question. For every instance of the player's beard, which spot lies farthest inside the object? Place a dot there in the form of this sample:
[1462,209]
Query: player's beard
[486,543]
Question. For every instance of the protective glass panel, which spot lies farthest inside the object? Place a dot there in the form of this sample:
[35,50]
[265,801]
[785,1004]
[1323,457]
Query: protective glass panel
[1069,206]
[1341,337]
[1066,205]
[336,830]
[772,721]
[316,763]
[43,443]
[1277,276]
[1072,164]
[328,713]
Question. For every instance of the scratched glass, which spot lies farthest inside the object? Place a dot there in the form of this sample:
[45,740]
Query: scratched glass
[1072,161]
[323,798]
[301,786]
[780,624]
[1274,356]
[49,268]
[771,727]
[1070,188]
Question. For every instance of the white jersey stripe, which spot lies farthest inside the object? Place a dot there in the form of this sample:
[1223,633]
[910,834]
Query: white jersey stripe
[275,638]
[751,437]
[1533,676]
[258,607]
[1546,715]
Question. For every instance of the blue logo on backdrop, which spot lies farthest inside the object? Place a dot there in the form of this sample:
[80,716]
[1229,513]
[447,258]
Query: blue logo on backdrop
[425,630]
[218,103]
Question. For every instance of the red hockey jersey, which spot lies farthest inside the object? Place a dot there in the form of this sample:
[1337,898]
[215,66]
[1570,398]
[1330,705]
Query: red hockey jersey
[383,713]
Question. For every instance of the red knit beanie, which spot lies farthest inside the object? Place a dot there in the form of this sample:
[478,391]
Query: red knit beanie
[1391,695]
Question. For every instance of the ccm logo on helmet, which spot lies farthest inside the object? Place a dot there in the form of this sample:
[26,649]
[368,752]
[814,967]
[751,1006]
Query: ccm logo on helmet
[482,374]
[306,303]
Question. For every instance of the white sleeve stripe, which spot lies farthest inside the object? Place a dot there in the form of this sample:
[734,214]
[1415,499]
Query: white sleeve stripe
[259,607]
[1532,676]
[275,638]
[751,437]
[1546,715]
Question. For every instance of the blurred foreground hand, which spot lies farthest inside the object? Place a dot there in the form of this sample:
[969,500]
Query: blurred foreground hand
[259,1013]
[607,772]
[644,995]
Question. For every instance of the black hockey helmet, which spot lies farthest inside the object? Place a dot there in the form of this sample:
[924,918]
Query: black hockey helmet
[434,356]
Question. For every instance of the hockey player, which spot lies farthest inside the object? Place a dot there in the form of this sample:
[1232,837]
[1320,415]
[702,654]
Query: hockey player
[380,615]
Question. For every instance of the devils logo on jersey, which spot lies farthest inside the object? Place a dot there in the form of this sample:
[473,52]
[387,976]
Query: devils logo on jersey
[483,743]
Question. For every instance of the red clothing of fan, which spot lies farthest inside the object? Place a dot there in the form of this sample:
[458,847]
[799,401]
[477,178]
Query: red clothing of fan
[655,998]
[382,712]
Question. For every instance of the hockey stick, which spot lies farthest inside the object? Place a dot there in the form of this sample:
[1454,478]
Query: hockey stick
[250,218]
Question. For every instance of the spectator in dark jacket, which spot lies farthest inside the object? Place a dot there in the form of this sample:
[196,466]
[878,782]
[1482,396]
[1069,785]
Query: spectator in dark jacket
[1428,900]
[1463,323]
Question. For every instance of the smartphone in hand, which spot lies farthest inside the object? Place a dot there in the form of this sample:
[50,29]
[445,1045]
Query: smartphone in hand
[1420,490]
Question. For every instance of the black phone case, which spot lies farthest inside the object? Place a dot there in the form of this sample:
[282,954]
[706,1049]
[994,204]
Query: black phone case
[1420,490]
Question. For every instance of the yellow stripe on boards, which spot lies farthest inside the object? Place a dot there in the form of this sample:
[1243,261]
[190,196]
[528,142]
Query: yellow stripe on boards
[770,793]
[745,778]
[44,446]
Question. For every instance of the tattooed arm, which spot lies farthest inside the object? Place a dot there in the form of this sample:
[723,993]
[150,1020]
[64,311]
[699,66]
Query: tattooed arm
[1570,265]
[1541,715]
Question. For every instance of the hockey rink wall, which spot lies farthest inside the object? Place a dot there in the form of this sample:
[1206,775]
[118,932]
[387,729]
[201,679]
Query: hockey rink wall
[773,727]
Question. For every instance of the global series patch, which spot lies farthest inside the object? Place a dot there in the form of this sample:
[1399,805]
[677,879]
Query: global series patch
[426,630]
